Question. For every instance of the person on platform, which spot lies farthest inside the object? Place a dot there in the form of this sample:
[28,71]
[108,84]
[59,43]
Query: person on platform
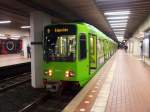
[126,48]
[142,50]
[28,51]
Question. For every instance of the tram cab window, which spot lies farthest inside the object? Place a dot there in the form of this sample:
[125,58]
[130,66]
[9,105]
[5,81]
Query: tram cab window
[82,48]
[60,48]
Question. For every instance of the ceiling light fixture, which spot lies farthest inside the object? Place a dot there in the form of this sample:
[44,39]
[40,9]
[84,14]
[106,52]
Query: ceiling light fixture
[25,27]
[118,17]
[120,29]
[110,13]
[2,35]
[5,22]
[118,21]
[118,26]
[16,36]
[119,32]
[120,37]
[114,24]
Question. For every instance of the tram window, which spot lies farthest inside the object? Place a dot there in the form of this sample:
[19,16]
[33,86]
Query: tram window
[99,48]
[82,46]
[60,48]
[92,45]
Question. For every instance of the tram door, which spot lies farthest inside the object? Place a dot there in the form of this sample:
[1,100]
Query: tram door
[93,51]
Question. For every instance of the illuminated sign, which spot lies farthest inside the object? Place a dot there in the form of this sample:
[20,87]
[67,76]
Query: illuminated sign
[60,29]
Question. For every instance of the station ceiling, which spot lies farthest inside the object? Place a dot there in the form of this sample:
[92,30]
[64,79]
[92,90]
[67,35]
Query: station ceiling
[90,11]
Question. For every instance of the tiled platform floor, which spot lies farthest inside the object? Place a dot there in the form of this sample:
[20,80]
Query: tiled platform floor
[123,85]
[130,89]
[12,59]
[84,100]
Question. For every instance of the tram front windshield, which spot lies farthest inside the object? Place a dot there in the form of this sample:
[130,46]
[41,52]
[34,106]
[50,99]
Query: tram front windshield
[60,48]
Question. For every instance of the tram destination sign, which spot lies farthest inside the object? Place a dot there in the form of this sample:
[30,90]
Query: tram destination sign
[60,30]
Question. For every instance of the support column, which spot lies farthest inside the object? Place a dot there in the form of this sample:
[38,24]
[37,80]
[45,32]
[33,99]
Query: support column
[37,21]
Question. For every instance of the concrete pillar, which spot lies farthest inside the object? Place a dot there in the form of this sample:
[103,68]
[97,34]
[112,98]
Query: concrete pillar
[130,46]
[37,21]
[137,48]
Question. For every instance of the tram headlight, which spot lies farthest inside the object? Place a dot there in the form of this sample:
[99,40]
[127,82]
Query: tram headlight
[69,73]
[48,72]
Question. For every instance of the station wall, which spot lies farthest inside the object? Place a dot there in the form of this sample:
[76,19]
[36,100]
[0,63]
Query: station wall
[134,46]
[10,46]
[13,31]
[137,42]
[24,36]
[146,45]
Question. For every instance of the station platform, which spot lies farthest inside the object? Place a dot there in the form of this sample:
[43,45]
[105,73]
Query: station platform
[122,85]
[12,59]
[12,65]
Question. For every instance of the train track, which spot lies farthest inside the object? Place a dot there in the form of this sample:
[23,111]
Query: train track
[50,102]
[46,102]
[11,82]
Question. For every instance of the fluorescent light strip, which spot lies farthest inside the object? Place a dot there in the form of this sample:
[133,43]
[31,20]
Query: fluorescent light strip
[5,22]
[14,38]
[118,26]
[2,35]
[117,13]
[118,21]
[17,36]
[119,33]
[121,37]
[120,29]
[118,17]
[25,27]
